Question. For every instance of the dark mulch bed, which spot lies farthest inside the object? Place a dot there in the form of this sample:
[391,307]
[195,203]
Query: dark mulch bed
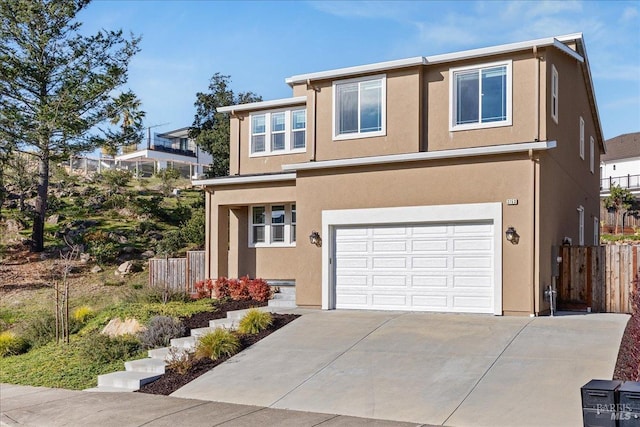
[628,363]
[172,380]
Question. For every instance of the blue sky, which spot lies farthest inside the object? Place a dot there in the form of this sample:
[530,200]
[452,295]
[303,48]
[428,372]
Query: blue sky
[261,43]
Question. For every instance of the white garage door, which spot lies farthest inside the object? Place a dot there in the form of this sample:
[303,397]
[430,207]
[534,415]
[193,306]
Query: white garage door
[419,267]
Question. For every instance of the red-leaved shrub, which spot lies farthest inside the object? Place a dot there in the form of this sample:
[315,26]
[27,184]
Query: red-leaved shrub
[241,289]
[221,288]
[259,290]
[204,289]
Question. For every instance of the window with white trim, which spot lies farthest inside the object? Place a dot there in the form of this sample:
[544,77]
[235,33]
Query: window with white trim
[581,138]
[592,161]
[581,226]
[278,132]
[596,232]
[359,107]
[480,96]
[272,225]
[554,93]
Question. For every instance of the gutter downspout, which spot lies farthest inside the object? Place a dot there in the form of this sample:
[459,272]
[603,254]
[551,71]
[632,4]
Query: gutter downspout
[535,309]
[233,114]
[535,55]
[315,105]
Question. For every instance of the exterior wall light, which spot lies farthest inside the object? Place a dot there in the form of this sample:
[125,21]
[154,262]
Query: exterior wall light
[315,239]
[512,236]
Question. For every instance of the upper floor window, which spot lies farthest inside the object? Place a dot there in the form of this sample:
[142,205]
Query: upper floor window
[278,132]
[581,138]
[359,108]
[554,93]
[480,96]
[272,225]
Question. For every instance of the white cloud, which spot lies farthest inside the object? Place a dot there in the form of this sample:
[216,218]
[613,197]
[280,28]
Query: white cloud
[629,14]
[618,71]
[362,9]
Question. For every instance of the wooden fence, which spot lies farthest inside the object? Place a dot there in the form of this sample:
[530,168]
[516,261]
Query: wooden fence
[600,277]
[177,274]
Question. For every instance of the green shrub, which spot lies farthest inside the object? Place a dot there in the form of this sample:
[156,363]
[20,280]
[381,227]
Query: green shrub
[115,180]
[82,314]
[171,244]
[11,344]
[116,201]
[216,344]
[255,321]
[193,229]
[104,349]
[41,329]
[160,331]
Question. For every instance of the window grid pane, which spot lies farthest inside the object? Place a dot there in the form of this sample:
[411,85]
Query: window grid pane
[347,106]
[371,106]
[293,223]
[494,94]
[259,216]
[467,95]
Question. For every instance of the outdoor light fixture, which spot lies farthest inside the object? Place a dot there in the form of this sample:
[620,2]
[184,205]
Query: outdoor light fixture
[512,236]
[315,239]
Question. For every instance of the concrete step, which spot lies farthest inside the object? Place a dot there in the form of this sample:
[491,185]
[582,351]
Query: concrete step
[149,365]
[198,332]
[159,353]
[282,303]
[287,290]
[127,380]
[239,314]
[223,323]
[185,343]
[284,297]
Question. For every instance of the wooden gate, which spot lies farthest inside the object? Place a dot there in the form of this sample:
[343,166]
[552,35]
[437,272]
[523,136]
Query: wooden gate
[177,274]
[598,277]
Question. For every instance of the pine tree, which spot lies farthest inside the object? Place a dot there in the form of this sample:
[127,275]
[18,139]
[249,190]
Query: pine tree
[55,84]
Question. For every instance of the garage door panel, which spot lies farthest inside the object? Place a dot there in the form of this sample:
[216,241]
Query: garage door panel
[424,267]
[350,246]
[389,246]
[478,281]
[433,262]
[429,245]
[384,263]
[429,282]
[471,245]
[390,280]
[349,263]
[472,262]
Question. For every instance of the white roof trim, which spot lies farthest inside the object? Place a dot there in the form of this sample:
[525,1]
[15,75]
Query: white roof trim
[232,180]
[263,104]
[429,155]
[447,57]
[360,69]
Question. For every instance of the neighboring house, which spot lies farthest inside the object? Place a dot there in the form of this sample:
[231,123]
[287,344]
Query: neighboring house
[171,149]
[395,185]
[621,164]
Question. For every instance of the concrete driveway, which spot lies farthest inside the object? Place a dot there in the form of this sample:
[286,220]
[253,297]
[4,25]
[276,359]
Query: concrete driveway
[443,369]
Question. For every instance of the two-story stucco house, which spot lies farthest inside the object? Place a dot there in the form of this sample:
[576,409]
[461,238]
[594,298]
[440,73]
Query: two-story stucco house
[440,183]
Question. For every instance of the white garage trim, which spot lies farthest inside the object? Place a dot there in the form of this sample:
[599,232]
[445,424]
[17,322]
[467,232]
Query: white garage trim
[408,215]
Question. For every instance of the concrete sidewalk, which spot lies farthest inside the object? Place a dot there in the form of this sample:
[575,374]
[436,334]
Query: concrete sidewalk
[442,369]
[45,407]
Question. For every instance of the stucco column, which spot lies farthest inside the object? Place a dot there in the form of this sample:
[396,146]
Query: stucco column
[219,242]
[234,249]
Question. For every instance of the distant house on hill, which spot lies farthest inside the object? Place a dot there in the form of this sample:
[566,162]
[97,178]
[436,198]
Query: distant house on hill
[621,164]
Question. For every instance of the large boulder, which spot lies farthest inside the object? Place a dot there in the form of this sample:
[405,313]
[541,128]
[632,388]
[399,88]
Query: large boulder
[117,327]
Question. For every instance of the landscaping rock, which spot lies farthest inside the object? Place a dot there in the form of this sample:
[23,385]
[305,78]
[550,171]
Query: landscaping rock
[13,226]
[96,269]
[148,254]
[117,327]
[124,268]
[84,258]
[53,219]
[128,249]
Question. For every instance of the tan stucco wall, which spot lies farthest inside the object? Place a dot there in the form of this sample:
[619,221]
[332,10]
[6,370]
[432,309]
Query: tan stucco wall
[566,181]
[227,232]
[523,128]
[434,183]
